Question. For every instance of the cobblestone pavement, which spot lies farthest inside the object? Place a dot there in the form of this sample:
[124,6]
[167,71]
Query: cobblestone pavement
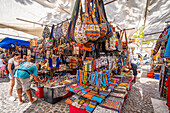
[139,98]
[138,101]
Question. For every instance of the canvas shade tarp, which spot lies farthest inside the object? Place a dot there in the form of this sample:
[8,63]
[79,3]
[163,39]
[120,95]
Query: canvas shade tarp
[5,43]
[124,13]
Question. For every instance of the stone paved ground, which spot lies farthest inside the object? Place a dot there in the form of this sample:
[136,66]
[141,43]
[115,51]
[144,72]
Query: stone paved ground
[139,98]
[138,101]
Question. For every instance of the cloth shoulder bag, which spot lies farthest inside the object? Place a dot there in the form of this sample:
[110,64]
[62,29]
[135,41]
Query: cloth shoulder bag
[125,45]
[102,21]
[46,32]
[109,28]
[92,29]
[71,28]
[80,36]
[58,33]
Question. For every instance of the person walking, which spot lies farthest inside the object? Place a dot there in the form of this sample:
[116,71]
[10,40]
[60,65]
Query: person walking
[2,65]
[23,79]
[13,64]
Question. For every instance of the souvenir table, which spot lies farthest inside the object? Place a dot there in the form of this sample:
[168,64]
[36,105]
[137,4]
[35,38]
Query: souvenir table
[80,104]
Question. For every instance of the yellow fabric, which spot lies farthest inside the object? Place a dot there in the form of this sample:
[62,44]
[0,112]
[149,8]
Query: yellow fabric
[92,106]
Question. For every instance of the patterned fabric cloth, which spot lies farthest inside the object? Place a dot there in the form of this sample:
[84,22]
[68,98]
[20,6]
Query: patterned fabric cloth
[111,105]
[58,33]
[46,32]
[65,27]
[100,109]
[163,45]
[80,36]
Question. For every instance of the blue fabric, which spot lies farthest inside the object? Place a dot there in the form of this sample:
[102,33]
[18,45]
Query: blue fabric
[88,108]
[93,102]
[78,77]
[82,98]
[92,79]
[83,91]
[71,89]
[80,87]
[135,73]
[5,43]
[103,81]
[113,83]
[30,67]
[104,94]
[108,75]
[167,50]
[97,76]
[97,99]
[168,35]
[110,87]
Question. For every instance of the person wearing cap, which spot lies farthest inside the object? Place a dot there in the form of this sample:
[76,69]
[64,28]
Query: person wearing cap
[23,81]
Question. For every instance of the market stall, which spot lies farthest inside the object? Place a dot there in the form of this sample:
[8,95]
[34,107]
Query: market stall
[87,57]
[161,58]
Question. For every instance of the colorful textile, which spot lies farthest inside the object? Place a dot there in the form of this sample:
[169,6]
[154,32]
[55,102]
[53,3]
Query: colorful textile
[120,95]
[97,99]
[111,105]
[104,94]
[83,91]
[88,108]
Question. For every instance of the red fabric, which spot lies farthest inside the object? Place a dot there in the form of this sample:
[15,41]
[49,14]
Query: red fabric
[160,36]
[76,110]
[167,84]
[67,95]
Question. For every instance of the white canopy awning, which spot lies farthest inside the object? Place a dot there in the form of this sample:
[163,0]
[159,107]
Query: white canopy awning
[124,13]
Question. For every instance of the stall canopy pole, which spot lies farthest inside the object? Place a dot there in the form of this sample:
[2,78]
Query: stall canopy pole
[146,11]
[167,21]
[110,2]
[40,23]
[153,33]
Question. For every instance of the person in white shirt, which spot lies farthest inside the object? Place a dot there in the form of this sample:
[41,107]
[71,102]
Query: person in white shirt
[13,65]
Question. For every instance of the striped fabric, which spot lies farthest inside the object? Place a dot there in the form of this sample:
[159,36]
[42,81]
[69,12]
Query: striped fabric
[103,25]
[91,27]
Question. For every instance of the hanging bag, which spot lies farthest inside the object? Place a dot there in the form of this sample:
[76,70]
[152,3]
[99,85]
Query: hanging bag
[102,21]
[109,28]
[80,36]
[46,32]
[71,28]
[65,28]
[120,47]
[124,43]
[58,33]
[92,29]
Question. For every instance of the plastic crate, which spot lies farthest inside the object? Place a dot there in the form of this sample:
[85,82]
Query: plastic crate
[39,93]
[157,76]
[150,74]
[49,94]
